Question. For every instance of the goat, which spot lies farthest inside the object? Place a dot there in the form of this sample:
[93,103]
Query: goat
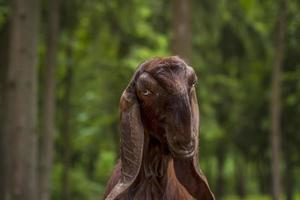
[159,136]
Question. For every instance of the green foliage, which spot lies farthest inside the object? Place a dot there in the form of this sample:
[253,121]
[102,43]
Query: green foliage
[4,10]
[83,189]
[232,54]
[105,164]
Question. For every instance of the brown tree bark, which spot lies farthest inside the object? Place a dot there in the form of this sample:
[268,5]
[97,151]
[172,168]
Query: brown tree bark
[240,182]
[276,101]
[3,67]
[289,179]
[19,125]
[48,102]
[181,28]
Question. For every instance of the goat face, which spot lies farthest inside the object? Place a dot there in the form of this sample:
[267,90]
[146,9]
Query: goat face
[161,101]
[165,94]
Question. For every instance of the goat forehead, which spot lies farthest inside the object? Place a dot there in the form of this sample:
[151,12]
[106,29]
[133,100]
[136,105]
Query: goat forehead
[172,78]
[168,67]
[155,63]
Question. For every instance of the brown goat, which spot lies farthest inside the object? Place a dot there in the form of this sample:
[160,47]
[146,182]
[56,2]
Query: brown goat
[159,136]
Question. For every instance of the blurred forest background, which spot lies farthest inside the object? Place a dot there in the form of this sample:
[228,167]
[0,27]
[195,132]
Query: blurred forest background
[64,65]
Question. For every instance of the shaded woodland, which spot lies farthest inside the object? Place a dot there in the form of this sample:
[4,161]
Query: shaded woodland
[64,65]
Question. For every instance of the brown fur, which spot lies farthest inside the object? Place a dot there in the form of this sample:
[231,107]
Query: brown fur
[156,180]
[159,136]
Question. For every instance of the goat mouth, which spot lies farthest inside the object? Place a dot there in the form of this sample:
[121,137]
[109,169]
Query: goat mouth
[180,151]
[180,147]
[182,154]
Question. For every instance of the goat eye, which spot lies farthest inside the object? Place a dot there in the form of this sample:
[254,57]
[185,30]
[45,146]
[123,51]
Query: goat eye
[194,84]
[146,92]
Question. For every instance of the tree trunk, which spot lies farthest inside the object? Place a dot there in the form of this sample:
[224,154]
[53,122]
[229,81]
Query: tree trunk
[289,181]
[181,28]
[19,126]
[48,108]
[276,101]
[240,178]
[3,67]
[65,128]
[263,174]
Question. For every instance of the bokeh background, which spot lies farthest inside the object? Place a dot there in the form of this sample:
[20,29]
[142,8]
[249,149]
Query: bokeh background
[64,65]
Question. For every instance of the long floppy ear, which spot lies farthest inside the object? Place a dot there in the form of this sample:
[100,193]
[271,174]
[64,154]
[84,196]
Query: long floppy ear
[187,170]
[132,139]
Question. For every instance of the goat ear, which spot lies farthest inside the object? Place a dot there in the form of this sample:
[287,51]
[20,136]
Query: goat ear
[187,170]
[132,139]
